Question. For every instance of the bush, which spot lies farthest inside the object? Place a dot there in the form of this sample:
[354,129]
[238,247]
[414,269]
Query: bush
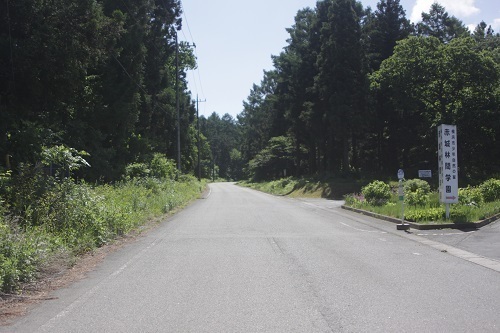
[412,185]
[354,200]
[416,198]
[377,193]
[490,190]
[137,170]
[470,196]
[162,168]
[20,255]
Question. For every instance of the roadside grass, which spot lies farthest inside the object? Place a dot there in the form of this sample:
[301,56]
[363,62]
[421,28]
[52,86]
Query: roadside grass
[71,219]
[432,213]
[312,187]
[425,208]
[472,209]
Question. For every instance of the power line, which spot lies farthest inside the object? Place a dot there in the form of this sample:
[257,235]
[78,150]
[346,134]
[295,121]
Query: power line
[195,52]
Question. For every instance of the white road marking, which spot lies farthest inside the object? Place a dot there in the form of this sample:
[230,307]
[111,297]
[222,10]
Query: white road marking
[447,234]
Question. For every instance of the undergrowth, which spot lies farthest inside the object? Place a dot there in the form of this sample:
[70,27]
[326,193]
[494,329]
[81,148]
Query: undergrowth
[422,206]
[48,216]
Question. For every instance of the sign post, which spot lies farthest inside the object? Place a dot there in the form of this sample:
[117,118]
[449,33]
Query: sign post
[448,165]
[401,194]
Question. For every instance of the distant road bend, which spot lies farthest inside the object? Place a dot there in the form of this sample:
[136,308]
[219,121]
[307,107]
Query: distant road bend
[245,261]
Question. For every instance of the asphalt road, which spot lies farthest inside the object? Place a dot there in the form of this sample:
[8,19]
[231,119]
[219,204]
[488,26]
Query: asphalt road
[485,241]
[244,261]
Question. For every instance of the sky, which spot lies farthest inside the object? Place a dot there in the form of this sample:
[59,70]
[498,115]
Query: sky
[235,40]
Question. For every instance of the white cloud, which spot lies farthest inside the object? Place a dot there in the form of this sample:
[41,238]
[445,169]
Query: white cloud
[458,8]
[496,25]
[471,27]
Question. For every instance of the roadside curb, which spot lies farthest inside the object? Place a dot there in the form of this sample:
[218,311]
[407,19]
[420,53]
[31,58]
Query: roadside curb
[418,226]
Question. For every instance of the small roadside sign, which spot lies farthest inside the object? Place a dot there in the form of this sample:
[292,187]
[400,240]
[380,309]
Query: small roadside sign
[424,173]
[401,174]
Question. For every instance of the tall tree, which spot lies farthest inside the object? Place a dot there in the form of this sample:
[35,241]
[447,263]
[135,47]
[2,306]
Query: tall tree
[438,23]
[342,82]
[51,51]
[382,30]
[387,25]
[295,68]
[425,95]
[258,116]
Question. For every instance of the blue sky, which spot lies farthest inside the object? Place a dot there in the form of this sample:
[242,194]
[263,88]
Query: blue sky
[235,41]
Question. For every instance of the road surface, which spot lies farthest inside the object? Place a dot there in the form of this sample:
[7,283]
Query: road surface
[245,261]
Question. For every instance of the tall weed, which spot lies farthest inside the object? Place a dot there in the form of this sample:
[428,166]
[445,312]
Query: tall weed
[78,217]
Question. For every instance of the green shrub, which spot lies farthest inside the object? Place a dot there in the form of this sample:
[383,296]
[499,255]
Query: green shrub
[412,185]
[351,200]
[20,255]
[377,193]
[470,196]
[162,168]
[490,190]
[137,170]
[417,198]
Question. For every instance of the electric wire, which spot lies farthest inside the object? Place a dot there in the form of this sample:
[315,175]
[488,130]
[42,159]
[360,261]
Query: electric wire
[195,53]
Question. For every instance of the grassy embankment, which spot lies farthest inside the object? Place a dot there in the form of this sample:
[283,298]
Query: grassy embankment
[71,219]
[330,188]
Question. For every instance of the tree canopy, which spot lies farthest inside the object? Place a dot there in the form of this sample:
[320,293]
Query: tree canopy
[360,91]
[95,75]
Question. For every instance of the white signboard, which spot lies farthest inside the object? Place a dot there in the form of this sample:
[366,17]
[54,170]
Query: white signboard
[448,163]
[425,173]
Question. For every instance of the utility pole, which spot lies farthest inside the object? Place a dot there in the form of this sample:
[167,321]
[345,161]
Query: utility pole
[198,127]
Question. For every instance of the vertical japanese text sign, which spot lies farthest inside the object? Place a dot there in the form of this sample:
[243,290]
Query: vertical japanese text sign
[448,163]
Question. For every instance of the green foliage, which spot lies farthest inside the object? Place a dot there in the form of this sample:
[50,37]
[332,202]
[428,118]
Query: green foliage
[377,193]
[137,170]
[162,167]
[425,214]
[416,192]
[277,187]
[437,23]
[470,196]
[416,198]
[79,217]
[30,185]
[270,162]
[65,157]
[224,137]
[426,208]
[5,181]
[21,253]
[352,200]
[412,185]
[490,190]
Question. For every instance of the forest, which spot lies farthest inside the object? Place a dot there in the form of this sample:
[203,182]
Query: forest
[361,92]
[96,76]
[355,90]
